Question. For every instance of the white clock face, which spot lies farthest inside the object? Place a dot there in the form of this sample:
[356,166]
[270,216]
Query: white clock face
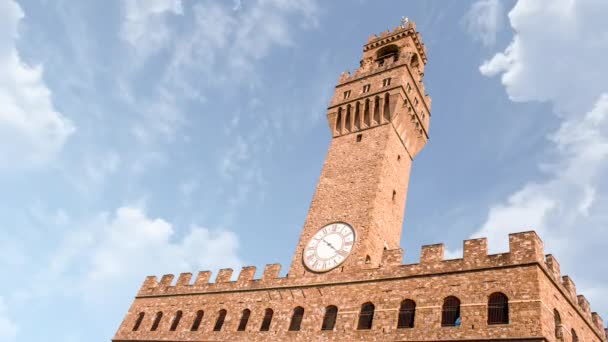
[329,247]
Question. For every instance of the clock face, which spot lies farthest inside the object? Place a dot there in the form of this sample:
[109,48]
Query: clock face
[329,247]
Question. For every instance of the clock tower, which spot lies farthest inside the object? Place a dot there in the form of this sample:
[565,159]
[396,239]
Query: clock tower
[379,120]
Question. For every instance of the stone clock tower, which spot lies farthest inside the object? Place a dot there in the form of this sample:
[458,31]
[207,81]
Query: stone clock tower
[379,119]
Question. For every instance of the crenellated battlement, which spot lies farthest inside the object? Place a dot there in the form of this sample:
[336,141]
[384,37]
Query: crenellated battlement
[524,248]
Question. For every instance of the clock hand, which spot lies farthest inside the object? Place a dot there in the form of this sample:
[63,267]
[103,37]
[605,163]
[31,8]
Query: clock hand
[329,244]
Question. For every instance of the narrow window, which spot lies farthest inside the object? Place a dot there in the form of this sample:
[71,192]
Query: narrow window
[296,319]
[221,317]
[366,88]
[414,62]
[377,109]
[415,101]
[558,325]
[394,194]
[346,94]
[159,316]
[140,318]
[387,113]
[368,260]
[339,121]
[574,336]
[366,316]
[398,157]
[359,137]
[498,309]
[329,320]
[408,88]
[357,116]
[366,113]
[450,313]
[197,321]
[267,320]
[176,319]
[386,82]
[244,320]
[407,311]
[423,115]
[347,119]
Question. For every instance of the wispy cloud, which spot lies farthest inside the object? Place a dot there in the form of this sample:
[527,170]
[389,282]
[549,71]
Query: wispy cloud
[32,131]
[483,20]
[8,328]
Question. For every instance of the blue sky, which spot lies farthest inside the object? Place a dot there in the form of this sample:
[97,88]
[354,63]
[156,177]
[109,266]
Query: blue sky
[167,136]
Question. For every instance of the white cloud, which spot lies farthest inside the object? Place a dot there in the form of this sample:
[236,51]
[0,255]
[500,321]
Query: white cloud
[558,56]
[31,130]
[129,245]
[8,328]
[484,20]
[145,25]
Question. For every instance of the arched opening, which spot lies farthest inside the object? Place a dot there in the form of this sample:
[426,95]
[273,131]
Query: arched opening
[366,316]
[450,312]
[267,320]
[329,320]
[244,320]
[339,121]
[366,113]
[347,119]
[176,319]
[386,53]
[219,323]
[296,319]
[156,323]
[407,312]
[498,309]
[377,109]
[357,116]
[387,108]
[414,62]
[140,319]
[197,320]
[574,336]
[368,259]
[558,324]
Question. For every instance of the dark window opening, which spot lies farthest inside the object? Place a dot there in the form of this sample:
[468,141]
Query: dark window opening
[366,113]
[386,82]
[387,108]
[377,109]
[267,320]
[450,313]
[244,320]
[296,319]
[359,137]
[339,121]
[140,319]
[414,62]
[221,317]
[498,309]
[347,124]
[329,320]
[574,336]
[558,325]
[407,311]
[178,317]
[197,321]
[366,88]
[366,316]
[386,53]
[357,116]
[398,157]
[368,259]
[346,94]
[155,324]
[394,194]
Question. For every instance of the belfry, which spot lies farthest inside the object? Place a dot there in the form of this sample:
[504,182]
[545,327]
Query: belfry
[347,281]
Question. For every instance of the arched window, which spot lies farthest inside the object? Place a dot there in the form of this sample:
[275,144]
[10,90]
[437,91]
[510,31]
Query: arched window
[414,62]
[450,313]
[339,121]
[221,317]
[498,309]
[267,320]
[244,320]
[140,318]
[366,316]
[387,113]
[296,319]
[357,116]
[366,113]
[329,320]
[407,311]
[574,336]
[197,321]
[347,119]
[176,319]
[558,325]
[159,316]
[389,51]
[377,109]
